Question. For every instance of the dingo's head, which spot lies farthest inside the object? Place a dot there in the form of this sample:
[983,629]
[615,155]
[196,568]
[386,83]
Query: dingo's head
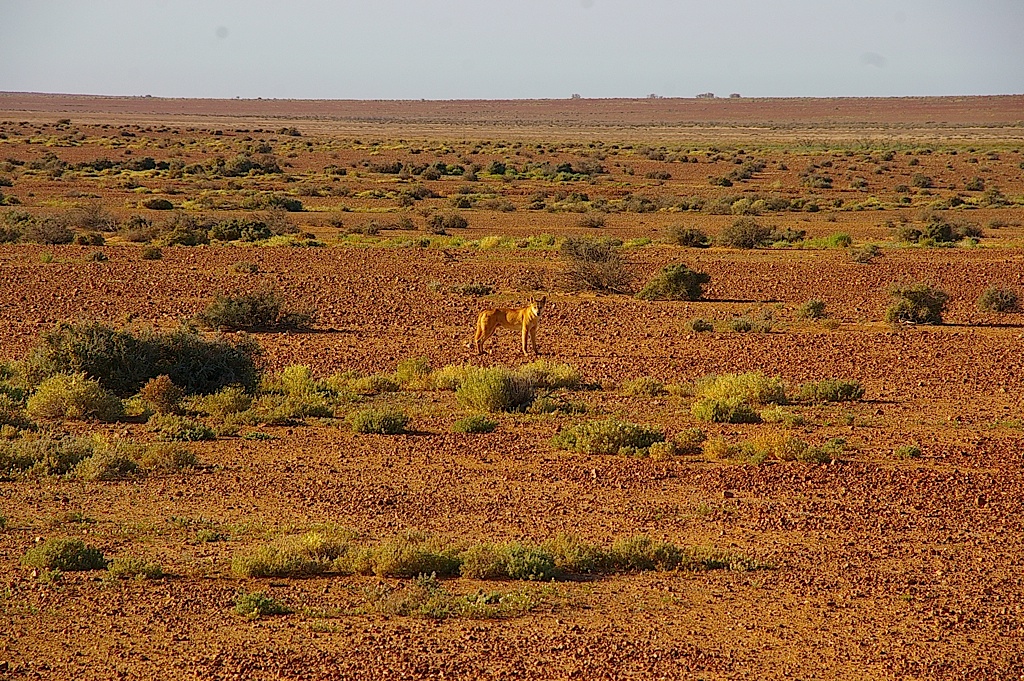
[538,305]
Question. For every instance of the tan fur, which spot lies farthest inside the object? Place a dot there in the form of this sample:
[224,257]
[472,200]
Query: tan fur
[525,319]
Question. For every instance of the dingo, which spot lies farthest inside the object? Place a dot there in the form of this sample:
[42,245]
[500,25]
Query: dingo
[526,319]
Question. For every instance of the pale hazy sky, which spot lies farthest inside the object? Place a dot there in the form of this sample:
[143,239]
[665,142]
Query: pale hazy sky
[454,49]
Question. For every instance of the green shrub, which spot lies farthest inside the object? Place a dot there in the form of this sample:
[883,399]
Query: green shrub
[724,410]
[108,464]
[132,567]
[64,554]
[528,562]
[812,309]
[998,299]
[752,387]
[547,375]
[73,397]
[865,253]
[700,326]
[152,253]
[162,395]
[408,555]
[477,423]
[245,267]
[573,556]
[413,373]
[277,561]
[166,458]
[907,452]
[675,282]
[258,604]
[510,561]
[691,237]
[230,400]
[379,421]
[643,553]
[609,436]
[450,377]
[916,304]
[745,232]
[263,310]
[831,390]
[495,389]
[44,456]
[123,362]
[170,427]
[645,386]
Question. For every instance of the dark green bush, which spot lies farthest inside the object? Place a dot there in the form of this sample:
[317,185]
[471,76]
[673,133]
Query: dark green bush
[157,204]
[261,310]
[152,253]
[831,390]
[122,361]
[812,309]
[676,282]
[998,299]
[745,232]
[690,237]
[916,304]
[258,604]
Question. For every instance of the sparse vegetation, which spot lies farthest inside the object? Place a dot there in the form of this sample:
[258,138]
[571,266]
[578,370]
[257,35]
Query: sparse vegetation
[595,265]
[812,309]
[379,421]
[744,232]
[830,390]
[477,423]
[495,390]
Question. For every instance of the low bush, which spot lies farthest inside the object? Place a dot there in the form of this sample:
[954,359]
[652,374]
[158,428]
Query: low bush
[547,375]
[413,373]
[262,310]
[450,377]
[691,237]
[408,555]
[573,556]
[123,362]
[166,458]
[745,232]
[700,326]
[998,299]
[258,604]
[907,452]
[64,554]
[132,567]
[162,396]
[509,561]
[916,304]
[477,423]
[595,264]
[865,253]
[230,400]
[495,390]
[47,231]
[152,253]
[609,436]
[107,464]
[644,386]
[170,427]
[73,397]
[675,282]
[724,410]
[812,309]
[831,390]
[751,387]
[378,421]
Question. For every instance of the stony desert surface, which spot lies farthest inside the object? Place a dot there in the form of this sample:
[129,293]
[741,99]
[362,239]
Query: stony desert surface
[896,556]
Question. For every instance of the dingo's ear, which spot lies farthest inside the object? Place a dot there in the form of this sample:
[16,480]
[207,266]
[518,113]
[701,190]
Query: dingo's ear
[543,299]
